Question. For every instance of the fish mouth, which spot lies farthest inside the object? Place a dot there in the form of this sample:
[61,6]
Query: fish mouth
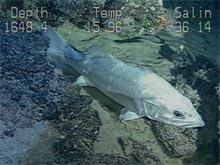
[201,123]
[189,124]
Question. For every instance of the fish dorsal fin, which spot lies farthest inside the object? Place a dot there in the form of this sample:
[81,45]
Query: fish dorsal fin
[95,51]
[143,68]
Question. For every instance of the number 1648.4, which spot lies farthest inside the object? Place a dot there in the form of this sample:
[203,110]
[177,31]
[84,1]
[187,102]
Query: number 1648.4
[23,26]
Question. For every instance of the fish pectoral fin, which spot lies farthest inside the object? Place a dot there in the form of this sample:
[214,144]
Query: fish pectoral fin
[82,81]
[127,114]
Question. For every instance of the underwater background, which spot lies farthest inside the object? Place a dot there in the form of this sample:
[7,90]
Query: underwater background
[46,119]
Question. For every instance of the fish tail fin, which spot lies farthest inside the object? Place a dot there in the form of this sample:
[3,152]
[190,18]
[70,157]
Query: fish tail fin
[59,49]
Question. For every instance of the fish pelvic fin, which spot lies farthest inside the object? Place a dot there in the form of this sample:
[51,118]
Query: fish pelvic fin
[127,114]
[82,81]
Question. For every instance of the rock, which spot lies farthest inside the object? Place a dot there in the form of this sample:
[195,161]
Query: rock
[138,152]
[25,95]
[138,17]
[179,142]
[77,12]
[192,72]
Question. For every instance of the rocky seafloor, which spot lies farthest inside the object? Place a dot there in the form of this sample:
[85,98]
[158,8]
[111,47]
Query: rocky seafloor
[45,119]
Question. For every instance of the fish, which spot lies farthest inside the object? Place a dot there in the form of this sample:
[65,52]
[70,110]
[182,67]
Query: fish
[139,90]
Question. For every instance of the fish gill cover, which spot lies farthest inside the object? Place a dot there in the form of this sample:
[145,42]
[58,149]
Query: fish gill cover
[46,119]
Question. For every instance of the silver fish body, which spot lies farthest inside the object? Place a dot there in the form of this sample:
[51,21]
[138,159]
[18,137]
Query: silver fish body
[142,92]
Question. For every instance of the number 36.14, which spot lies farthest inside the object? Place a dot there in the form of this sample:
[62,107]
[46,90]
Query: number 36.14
[184,26]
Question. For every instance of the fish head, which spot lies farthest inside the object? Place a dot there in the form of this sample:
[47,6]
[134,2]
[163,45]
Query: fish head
[175,112]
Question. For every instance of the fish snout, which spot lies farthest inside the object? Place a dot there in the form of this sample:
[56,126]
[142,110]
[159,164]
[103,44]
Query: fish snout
[198,122]
[202,123]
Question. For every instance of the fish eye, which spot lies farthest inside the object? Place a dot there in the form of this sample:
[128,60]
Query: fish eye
[178,114]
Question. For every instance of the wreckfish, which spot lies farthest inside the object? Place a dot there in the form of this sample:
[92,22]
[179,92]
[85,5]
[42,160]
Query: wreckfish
[139,90]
